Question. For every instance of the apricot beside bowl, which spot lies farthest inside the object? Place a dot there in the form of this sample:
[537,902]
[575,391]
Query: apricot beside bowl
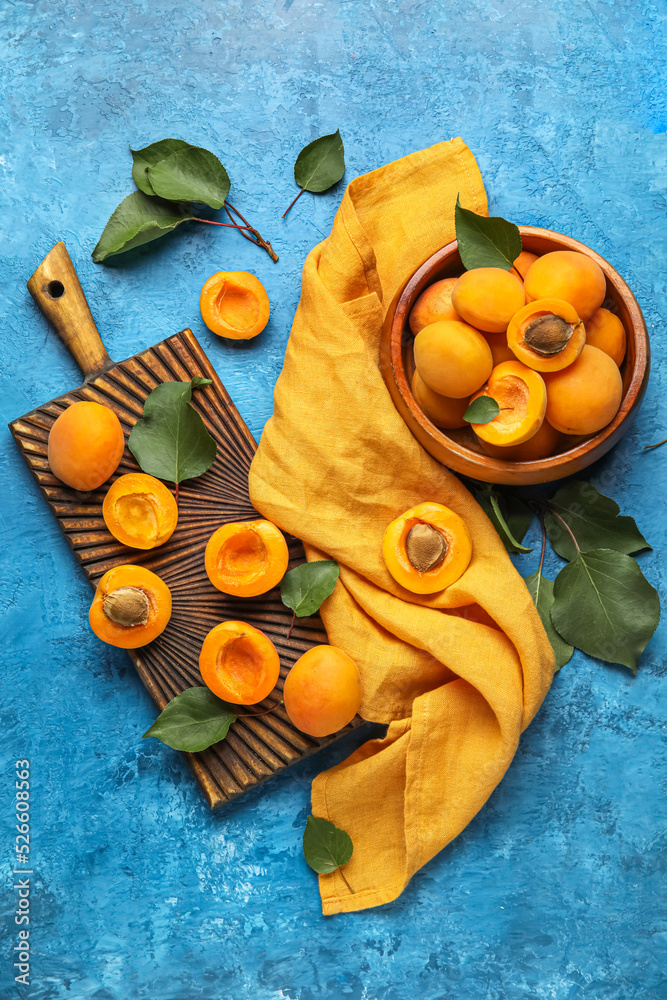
[458,449]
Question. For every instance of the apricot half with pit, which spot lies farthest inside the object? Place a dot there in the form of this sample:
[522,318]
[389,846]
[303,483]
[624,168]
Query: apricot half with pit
[427,548]
[569,275]
[546,335]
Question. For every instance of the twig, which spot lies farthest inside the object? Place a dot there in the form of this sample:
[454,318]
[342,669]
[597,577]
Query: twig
[648,447]
[293,203]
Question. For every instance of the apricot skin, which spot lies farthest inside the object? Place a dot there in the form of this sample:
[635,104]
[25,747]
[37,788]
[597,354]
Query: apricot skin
[584,397]
[434,303]
[522,397]
[246,558]
[159,600]
[487,298]
[605,331]
[322,691]
[452,358]
[441,410]
[140,511]
[542,444]
[569,275]
[500,349]
[522,263]
[532,311]
[86,444]
[239,663]
[234,304]
[457,557]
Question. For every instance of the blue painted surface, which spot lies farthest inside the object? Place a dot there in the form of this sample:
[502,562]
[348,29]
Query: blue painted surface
[557,889]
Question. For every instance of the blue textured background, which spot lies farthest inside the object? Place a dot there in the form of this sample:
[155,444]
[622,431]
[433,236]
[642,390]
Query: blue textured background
[557,889]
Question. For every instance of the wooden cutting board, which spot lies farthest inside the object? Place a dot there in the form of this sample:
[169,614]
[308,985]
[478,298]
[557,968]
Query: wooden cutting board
[255,749]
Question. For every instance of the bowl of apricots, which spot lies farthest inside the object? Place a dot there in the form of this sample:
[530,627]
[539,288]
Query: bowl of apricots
[559,343]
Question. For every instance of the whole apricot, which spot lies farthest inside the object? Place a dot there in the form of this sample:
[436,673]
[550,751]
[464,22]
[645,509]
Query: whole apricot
[234,304]
[322,691]
[605,331]
[521,395]
[500,349]
[487,298]
[522,263]
[441,410]
[452,357]
[569,275]
[85,445]
[434,303]
[585,396]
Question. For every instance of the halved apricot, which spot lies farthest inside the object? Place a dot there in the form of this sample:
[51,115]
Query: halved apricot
[131,607]
[234,304]
[488,297]
[238,663]
[569,275]
[322,691]
[521,395]
[85,445]
[246,558]
[427,548]
[434,303]
[546,335]
[441,410]
[140,511]
[543,443]
[605,331]
[452,358]
[585,396]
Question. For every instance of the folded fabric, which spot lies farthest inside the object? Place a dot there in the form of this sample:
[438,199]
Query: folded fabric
[457,675]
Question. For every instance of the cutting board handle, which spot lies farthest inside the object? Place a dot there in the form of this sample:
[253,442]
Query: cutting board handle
[55,288]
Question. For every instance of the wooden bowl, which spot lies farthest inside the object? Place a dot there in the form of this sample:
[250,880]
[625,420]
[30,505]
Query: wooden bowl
[459,449]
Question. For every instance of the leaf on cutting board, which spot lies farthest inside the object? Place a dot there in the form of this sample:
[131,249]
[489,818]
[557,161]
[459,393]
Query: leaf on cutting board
[542,592]
[138,220]
[594,520]
[192,721]
[321,163]
[485,241]
[175,170]
[325,846]
[482,410]
[170,441]
[305,587]
[605,606]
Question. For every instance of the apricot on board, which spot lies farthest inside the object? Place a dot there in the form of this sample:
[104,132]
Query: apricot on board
[131,607]
[322,691]
[488,297]
[545,442]
[247,558]
[585,396]
[522,263]
[434,303]
[239,663]
[427,548]
[605,331]
[521,395]
[85,445]
[569,275]
[452,358]
[140,511]
[234,304]
[440,410]
[546,335]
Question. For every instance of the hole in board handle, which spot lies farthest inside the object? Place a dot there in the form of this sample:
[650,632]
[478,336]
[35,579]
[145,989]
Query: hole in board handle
[55,289]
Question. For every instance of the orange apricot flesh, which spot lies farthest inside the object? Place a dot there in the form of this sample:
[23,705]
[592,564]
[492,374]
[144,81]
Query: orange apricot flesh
[434,303]
[584,397]
[140,511]
[234,304]
[131,607]
[427,548]
[239,663]
[452,358]
[487,298]
[546,335]
[322,691]
[441,410]
[545,442]
[605,331]
[569,275]
[522,397]
[85,445]
[246,559]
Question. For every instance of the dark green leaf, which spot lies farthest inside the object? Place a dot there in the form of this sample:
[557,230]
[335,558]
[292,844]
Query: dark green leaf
[192,721]
[305,587]
[486,242]
[510,516]
[138,220]
[321,163]
[149,156]
[170,441]
[325,847]
[542,592]
[594,520]
[482,410]
[518,514]
[605,606]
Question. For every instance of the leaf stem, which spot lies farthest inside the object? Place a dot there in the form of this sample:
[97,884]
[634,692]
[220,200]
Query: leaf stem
[544,540]
[176,494]
[648,447]
[291,625]
[565,525]
[342,875]
[292,203]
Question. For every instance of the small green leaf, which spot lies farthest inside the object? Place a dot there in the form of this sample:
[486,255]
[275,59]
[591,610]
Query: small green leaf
[177,171]
[508,514]
[149,156]
[594,521]
[485,241]
[542,592]
[170,441]
[325,847]
[482,410]
[138,220]
[605,606]
[305,587]
[192,721]
[321,163]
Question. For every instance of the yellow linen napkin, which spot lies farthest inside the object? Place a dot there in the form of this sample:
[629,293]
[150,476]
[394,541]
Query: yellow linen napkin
[457,675]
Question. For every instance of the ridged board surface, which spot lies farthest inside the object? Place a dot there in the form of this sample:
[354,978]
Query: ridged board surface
[255,749]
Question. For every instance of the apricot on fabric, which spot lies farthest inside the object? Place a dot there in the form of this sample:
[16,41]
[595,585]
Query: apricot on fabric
[239,663]
[140,511]
[434,303]
[569,275]
[322,691]
[521,394]
[427,548]
[234,304]
[585,396]
[452,357]
[131,607]
[247,558]
[85,445]
[488,297]
[546,335]
[605,331]
[441,410]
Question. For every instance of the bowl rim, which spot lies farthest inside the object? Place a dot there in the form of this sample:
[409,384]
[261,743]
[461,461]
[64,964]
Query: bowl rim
[468,461]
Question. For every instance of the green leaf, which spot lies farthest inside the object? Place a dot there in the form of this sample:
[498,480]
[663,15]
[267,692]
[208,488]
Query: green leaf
[605,606]
[482,410]
[325,847]
[192,721]
[484,241]
[321,163]
[138,220]
[594,521]
[149,156]
[305,587]
[170,441]
[509,515]
[542,592]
